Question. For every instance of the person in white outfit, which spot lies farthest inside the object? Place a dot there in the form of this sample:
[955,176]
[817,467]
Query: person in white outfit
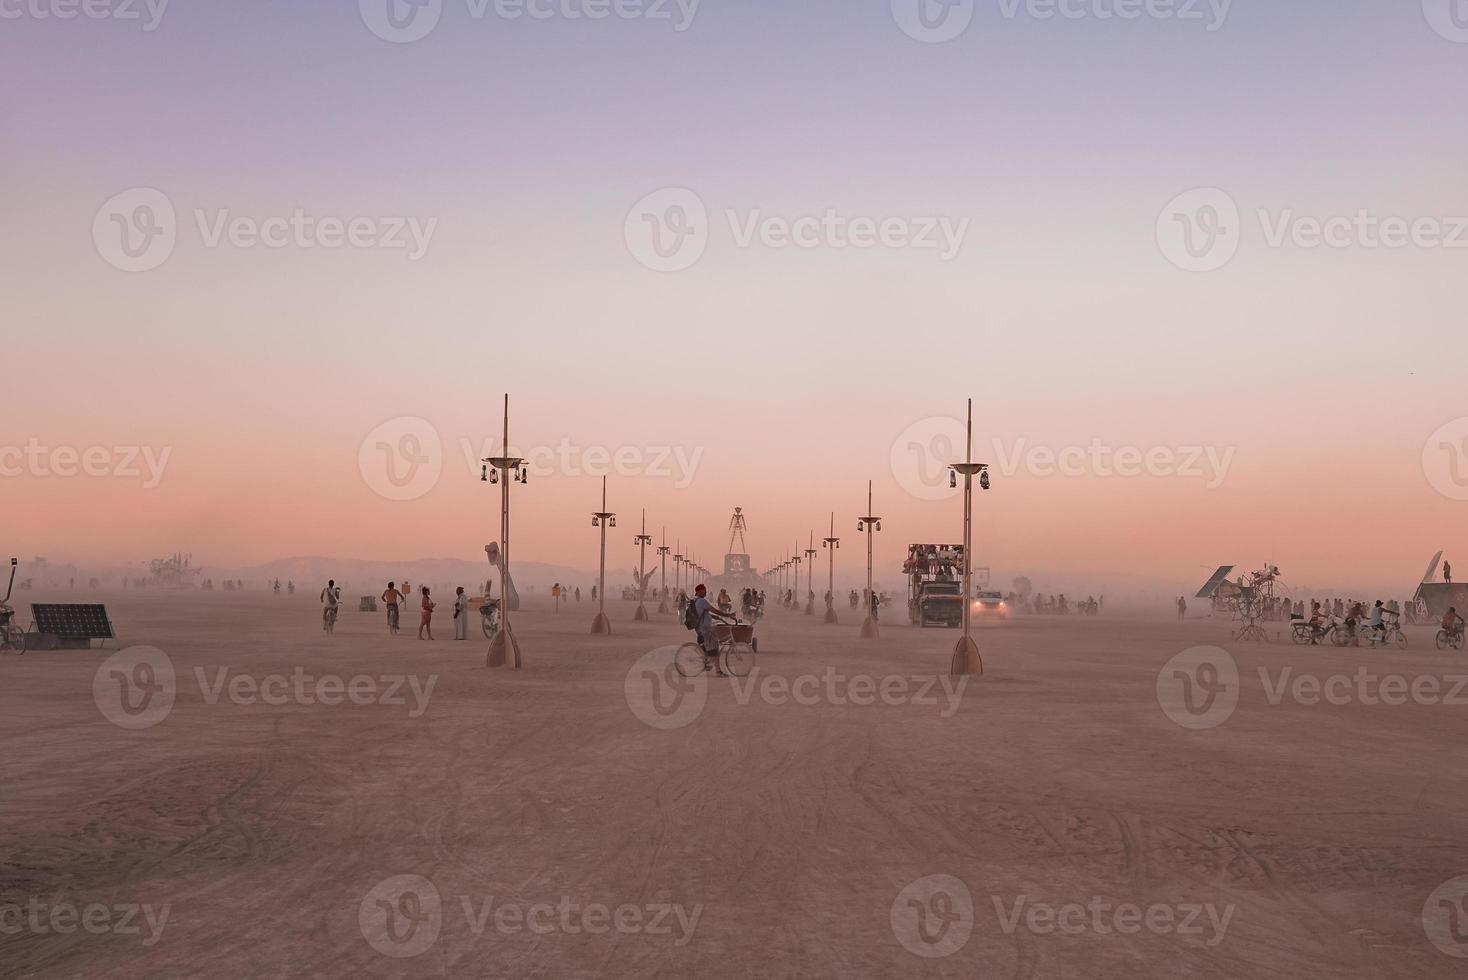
[461,615]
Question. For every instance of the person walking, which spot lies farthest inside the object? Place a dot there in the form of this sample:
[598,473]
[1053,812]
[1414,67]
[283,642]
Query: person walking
[426,623]
[461,614]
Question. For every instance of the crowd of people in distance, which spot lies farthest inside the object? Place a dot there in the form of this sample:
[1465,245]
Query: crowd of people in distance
[1040,604]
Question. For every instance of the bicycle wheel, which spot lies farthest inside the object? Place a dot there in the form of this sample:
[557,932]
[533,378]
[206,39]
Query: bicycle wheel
[1301,636]
[1338,637]
[738,659]
[1443,640]
[689,660]
[1401,640]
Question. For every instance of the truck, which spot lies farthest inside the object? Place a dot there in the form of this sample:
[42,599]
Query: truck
[934,585]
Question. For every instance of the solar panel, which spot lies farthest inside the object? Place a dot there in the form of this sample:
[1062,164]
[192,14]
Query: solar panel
[1211,586]
[72,620]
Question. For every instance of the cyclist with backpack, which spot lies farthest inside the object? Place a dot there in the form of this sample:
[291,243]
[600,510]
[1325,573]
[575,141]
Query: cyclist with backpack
[699,617]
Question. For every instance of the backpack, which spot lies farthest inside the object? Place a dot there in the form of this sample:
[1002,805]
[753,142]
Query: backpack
[690,616]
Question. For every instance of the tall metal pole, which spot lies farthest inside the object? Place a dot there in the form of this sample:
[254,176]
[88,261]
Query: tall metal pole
[810,571]
[663,550]
[503,647]
[870,523]
[643,540]
[602,519]
[966,659]
[831,543]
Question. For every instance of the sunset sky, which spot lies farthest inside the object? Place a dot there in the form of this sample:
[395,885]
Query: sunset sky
[791,375]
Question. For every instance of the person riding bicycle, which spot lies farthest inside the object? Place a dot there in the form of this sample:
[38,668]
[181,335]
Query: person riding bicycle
[1375,624]
[391,598]
[1452,622]
[707,612]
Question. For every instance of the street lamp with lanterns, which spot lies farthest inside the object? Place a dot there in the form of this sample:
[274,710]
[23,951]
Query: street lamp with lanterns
[869,524]
[643,540]
[663,551]
[966,659]
[831,544]
[504,649]
[810,570]
[603,519]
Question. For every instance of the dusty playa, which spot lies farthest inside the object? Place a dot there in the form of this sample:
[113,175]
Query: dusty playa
[361,805]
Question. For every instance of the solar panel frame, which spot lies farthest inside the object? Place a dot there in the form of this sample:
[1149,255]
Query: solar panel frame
[72,620]
[1211,586]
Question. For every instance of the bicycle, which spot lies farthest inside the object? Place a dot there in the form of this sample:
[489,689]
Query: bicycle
[1450,638]
[735,656]
[12,637]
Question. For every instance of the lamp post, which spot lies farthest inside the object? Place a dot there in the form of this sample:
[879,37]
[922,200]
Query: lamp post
[643,540]
[810,570]
[678,569]
[507,469]
[795,567]
[869,524]
[831,543]
[966,659]
[663,551]
[603,519]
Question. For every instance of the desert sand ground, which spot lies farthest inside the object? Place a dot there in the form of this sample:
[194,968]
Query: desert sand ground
[750,835]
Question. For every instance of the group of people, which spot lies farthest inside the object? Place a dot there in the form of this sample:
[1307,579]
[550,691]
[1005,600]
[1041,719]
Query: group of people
[395,598]
[1378,621]
[1057,605]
